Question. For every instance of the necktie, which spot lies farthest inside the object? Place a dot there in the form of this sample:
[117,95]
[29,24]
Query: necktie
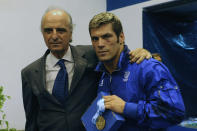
[60,88]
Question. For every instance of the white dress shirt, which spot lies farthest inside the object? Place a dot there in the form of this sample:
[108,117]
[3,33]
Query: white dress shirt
[52,68]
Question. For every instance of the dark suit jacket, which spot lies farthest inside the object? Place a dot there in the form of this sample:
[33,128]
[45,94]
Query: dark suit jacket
[43,111]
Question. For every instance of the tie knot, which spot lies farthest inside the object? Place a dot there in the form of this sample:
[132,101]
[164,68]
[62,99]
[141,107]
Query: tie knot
[61,63]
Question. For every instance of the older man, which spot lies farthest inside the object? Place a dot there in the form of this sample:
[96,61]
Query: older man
[59,86]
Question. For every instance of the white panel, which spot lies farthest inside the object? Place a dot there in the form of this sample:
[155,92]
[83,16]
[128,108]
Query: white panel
[21,42]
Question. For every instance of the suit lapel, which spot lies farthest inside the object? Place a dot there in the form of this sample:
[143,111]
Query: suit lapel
[40,73]
[79,67]
[40,79]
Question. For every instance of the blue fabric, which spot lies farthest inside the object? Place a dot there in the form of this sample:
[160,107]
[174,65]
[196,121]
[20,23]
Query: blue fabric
[174,38]
[60,88]
[112,120]
[115,4]
[152,97]
[100,110]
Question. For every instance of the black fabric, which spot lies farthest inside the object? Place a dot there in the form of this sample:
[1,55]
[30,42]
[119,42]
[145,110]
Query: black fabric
[175,38]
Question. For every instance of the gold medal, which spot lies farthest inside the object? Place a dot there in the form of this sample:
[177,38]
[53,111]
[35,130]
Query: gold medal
[100,123]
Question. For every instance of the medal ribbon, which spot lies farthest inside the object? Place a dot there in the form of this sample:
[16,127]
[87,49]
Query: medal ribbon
[100,110]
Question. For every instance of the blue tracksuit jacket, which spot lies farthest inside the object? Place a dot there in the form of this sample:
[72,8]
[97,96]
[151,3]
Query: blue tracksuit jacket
[153,99]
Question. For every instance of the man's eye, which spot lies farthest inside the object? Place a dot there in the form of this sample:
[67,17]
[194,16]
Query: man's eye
[94,39]
[48,30]
[61,30]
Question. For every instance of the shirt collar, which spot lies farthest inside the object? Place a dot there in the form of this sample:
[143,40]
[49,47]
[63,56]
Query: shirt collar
[124,58]
[52,60]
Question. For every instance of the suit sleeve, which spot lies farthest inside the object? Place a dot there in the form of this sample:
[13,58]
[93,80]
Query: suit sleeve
[89,53]
[30,105]
[163,105]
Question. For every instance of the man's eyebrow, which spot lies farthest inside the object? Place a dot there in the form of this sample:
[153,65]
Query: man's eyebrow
[57,29]
[107,34]
[94,37]
[48,29]
[61,29]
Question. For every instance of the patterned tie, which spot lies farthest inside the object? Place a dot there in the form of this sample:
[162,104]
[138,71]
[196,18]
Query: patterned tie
[60,88]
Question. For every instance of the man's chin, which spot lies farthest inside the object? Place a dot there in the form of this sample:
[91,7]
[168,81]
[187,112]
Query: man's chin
[104,59]
[57,50]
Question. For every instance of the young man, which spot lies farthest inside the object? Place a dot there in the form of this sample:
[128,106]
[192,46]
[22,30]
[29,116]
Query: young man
[145,94]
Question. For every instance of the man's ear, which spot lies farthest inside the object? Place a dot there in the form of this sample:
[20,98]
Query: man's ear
[71,38]
[121,38]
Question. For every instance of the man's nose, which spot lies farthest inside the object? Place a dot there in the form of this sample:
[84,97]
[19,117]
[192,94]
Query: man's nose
[101,42]
[54,35]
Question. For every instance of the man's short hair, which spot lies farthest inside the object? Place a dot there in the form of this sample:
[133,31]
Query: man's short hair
[106,18]
[61,9]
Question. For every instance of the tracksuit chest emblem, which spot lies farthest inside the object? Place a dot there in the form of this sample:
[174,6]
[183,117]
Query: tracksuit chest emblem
[126,76]
[101,83]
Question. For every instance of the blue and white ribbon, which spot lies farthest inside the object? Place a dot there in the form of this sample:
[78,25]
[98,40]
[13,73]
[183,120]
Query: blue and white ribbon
[100,110]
